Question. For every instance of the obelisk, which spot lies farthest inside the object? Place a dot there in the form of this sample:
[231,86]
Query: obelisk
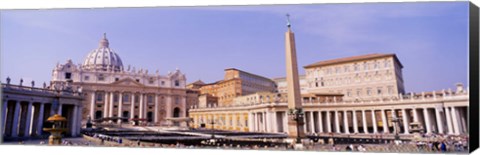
[295,127]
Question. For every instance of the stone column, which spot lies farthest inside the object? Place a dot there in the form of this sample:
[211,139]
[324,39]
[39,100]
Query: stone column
[449,120]
[40,119]
[427,120]
[73,130]
[16,116]
[120,107]
[132,106]
[405,122]
[384,122]
[455,119]
[312,123]
[60,107]
[28,120]
[345,122]
[155,113]
[439,121]
[337,122]
[415,115]
[105,105]
[320,122]
[355,121]
[92,106]
[266,121]
[250,122]
[274,121]
[266,125]
[258,122]
[4,117]
[255,122]
[285,121]
[184,106]
[364,122]
[142,107]
[169,106]
[231,121]
[110,110]
[305,122]
[329,124]
[374,122]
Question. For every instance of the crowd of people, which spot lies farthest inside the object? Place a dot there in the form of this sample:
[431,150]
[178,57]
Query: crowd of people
[104,138]
[434,143]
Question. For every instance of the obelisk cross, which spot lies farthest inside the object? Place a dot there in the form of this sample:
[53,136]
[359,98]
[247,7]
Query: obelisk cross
[288,20]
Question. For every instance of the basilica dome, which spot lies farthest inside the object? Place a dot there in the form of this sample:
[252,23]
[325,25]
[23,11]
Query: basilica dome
[103,58]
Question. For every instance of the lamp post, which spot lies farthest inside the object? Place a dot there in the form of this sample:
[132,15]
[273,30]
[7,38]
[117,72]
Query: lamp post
[297,115]
[213,128]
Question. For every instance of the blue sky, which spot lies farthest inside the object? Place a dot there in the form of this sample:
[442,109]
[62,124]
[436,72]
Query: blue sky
[430,39]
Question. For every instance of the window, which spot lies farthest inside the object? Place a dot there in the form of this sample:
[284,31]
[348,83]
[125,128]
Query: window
[101,78]
[149,99]
[116,79]
[356,67]
[387,63]
[68,75]
[150,81]
[137,98]
[379,91]
[375,65]
[369,91]
[390,89]
[115,97]
[365,66]
[125,98]
[163,82]
[177,100]
[99,97]
[177,83]
[86,78]
[138,80]
[349,93]
[359,91]
[346,69]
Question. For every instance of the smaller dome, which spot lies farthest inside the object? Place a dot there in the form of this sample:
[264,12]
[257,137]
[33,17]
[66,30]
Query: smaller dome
[103,58]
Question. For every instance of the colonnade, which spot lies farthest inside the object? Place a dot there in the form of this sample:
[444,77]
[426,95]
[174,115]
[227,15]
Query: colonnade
[23,118]
[444,120]
[149,106]
[451,120]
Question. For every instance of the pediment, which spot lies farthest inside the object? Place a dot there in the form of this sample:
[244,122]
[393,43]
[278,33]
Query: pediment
[127,82]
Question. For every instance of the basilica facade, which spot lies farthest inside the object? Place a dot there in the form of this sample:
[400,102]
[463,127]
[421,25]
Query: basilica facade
[111,90]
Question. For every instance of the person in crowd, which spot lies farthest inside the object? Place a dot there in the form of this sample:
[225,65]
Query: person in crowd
[348,148]
[443,147]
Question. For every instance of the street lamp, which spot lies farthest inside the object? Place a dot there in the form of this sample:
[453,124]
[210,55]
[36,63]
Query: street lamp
[297,115]
[213,128]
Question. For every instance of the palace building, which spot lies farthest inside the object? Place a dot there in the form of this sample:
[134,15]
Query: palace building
[281,84]
[236,83]
[362,77]
[112,90]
